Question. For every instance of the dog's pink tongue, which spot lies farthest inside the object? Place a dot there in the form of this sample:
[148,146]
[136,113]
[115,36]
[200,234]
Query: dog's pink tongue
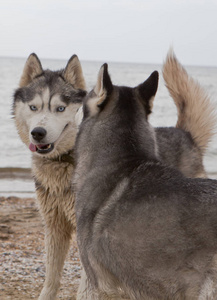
[32,147]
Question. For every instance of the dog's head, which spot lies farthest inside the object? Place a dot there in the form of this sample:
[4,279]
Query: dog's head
[117,115]
[45,105]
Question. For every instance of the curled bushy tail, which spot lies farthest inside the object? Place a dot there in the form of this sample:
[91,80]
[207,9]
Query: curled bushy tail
[196,112]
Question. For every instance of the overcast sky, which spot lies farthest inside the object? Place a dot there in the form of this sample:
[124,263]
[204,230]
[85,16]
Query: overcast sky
[110,30]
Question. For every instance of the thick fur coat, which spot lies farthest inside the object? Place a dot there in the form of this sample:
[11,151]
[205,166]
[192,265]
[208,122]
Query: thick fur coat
[144,230]
[44,110]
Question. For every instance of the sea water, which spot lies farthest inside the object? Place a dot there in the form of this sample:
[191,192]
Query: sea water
[14,154]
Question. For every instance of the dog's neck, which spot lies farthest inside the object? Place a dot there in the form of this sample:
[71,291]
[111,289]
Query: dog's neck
[65,158]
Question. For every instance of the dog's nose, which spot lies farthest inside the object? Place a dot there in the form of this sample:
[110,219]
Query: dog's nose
[38,133]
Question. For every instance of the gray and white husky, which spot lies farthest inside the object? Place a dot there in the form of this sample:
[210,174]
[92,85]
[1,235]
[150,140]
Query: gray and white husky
[144,230]
[44,109]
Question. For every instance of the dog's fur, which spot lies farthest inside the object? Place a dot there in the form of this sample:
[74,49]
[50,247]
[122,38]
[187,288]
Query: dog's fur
[53,170]
[196,122]
[143,229]
[38,105]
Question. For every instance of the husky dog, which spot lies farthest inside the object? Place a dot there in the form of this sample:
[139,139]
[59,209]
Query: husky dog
[44,110]
[144,230]
[184,146]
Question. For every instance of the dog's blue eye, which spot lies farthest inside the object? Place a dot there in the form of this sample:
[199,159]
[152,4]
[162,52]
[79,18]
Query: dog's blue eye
[33,107]
[60,108]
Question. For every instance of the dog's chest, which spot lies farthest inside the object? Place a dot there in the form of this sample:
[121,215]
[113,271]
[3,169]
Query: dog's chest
[54,190]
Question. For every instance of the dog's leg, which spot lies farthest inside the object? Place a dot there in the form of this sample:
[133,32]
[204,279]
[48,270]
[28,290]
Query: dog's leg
[85,293]
[57,239]
[83,287]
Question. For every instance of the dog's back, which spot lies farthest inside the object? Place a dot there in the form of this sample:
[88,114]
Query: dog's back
[154,235]
[177,149]
[143,228]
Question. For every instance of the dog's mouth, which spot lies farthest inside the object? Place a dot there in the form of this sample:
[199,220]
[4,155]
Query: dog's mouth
[44,148]
[41,148]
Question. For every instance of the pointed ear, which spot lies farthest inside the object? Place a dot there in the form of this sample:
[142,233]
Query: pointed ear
[103,86]
[73,73]
[99,96]
[147,91]
[31,69]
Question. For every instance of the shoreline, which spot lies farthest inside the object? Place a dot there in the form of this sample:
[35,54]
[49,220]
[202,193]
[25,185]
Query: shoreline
[16,182]
[26,173]
[19,183]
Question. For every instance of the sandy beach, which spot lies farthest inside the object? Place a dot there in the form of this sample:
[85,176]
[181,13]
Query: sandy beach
[22,256]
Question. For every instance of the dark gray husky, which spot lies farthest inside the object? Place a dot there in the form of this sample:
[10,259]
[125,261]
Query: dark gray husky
[184,145]
[144,230]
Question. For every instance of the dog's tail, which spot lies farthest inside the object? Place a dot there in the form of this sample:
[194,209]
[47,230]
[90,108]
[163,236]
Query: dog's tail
[196,112]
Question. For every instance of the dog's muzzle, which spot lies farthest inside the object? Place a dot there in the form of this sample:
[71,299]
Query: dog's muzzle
[38,134]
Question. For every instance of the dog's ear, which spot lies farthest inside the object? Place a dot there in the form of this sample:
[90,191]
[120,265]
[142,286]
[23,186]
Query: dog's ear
[73,73]
[100,95]
[31,69]
[147,91]
[103,86]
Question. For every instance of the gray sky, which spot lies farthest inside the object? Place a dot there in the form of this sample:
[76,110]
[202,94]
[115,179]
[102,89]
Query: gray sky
[110,30]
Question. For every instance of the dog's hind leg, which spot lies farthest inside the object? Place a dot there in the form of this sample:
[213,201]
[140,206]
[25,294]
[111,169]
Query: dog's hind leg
[85,292]
[57,239]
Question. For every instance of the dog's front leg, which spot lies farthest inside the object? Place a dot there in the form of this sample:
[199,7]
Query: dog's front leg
[83,291]
[57,240]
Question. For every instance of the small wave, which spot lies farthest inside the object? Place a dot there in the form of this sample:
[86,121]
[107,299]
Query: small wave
[13,173]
